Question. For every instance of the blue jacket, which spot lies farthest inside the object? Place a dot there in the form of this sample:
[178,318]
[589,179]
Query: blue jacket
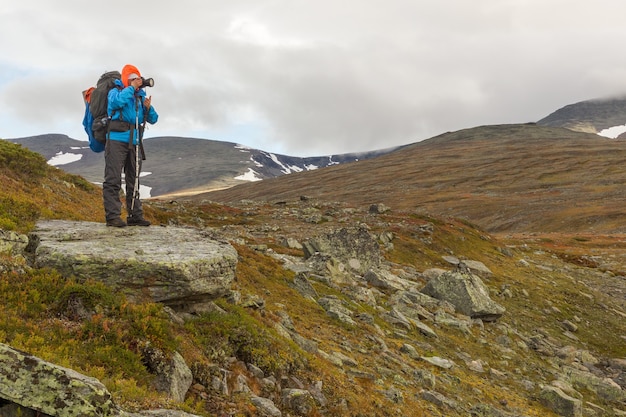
[122,105]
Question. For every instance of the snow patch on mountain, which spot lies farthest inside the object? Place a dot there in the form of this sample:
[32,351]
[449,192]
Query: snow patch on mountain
[284,168]
[62,158]
[243,148]
[251,175]
[255,162]
[613,132]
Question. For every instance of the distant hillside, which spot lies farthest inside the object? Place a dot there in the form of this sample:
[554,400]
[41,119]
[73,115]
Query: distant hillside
[175,164]
[33,190]
[507,178]
[591,116]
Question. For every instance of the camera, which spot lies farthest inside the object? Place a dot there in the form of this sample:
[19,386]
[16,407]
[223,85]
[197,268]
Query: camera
[147,82]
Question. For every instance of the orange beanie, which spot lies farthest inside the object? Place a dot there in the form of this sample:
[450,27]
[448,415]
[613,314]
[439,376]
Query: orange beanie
[128,70]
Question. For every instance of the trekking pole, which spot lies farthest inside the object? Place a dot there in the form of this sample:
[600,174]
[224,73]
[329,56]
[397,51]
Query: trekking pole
[136,185]
[141,132]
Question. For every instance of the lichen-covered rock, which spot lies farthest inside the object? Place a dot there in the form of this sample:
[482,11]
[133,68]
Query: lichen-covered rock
[173,376]
[335,309]
[605,388]
[354,247]
[173,265]
[42,386]
[298,400]
[560,403]
[11,242]
[265,407]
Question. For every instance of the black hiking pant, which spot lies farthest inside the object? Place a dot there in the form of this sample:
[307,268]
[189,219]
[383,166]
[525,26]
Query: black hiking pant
[118,158]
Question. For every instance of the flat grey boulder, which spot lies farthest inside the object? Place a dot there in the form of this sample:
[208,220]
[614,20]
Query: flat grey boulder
[176,266]
[466,292]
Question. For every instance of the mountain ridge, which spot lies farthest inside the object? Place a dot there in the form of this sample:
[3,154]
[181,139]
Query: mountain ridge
[183,165]
[591,116]
[504,178]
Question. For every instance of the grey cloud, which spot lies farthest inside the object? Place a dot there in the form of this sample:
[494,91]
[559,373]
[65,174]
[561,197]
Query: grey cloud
[311,78]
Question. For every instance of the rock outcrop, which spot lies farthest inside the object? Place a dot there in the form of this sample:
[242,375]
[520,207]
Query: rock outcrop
[466,292]
[352,247]
[175,266]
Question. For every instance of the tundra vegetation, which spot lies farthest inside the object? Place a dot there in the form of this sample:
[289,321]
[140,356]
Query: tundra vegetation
[542,281]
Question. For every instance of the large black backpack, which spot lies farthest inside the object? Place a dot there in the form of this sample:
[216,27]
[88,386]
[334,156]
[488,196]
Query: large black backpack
[96,120]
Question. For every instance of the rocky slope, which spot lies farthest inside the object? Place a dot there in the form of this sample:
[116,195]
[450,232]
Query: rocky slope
[394,314]
[332,308]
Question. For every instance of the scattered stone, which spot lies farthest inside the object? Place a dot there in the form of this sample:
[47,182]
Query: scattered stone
[318,395]
[486,410]
[394,395]
[290,243]
[386,280]
[438,399]
[560,403]
[605,388]
[476,366]
[410,350]
[255,371]
[303,286]
[345,360]
[425,378]
[453,260]
[378,209]
[336,310]
[439,362]
[425,330]
[300,401]
[173,376]
[433,273]
[478,268]
[568,325]
[265,407]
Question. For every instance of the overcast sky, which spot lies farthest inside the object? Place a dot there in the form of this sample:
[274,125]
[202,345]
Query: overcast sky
[313,77]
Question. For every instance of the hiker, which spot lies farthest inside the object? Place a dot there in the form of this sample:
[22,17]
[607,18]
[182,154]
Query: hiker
[129,109]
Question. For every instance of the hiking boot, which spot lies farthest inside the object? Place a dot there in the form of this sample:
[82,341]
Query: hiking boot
[117,222]
[137,221]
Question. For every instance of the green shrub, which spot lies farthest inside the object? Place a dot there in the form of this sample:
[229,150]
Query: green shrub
[19,162]
[14,212]
[240,335]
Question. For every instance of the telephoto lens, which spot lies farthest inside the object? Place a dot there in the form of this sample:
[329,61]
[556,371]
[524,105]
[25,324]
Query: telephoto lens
[147,82]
